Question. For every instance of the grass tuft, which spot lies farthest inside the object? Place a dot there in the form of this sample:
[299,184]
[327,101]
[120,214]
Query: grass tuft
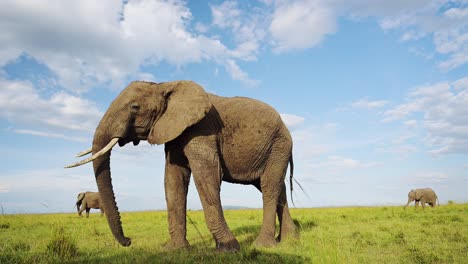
[62,245]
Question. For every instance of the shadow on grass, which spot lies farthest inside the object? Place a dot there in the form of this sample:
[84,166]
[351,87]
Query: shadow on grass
[305,225]
[194,256]
[144,256]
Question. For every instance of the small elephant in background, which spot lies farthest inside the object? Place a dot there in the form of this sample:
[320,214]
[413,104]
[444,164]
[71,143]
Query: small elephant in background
[88,200]
[426,195]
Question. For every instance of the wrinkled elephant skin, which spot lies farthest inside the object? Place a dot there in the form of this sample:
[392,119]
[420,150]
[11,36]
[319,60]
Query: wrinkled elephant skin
[212,138]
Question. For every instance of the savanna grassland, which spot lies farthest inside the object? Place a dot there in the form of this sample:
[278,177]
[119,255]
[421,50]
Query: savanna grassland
[328,235]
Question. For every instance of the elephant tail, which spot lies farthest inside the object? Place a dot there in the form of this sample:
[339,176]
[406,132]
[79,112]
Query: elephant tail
[291,172]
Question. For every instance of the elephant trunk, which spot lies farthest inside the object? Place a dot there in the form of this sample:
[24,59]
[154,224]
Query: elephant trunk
[78,204]
[104,182]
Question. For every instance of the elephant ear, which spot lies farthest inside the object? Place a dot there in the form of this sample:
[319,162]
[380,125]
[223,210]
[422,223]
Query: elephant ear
[418,195]
[186,104]
[81,196]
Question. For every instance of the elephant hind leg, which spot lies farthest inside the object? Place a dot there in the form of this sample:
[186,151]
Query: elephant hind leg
[83,207]
[287,226]
[273,188]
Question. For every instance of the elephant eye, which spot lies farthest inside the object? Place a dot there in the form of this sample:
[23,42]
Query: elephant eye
[134,107]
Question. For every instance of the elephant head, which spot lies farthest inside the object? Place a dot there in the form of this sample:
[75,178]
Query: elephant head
[148,111]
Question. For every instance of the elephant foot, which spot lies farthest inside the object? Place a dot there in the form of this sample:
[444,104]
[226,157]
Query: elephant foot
[265,242]
[231,246]
[177,245]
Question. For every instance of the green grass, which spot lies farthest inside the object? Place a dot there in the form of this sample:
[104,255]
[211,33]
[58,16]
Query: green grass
[328,235]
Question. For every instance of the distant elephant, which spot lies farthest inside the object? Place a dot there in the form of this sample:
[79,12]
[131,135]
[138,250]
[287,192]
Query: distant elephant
[424,196]
[237,140]
[88,200]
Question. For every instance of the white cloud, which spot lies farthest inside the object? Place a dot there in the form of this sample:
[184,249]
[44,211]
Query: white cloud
[448,29]
[226,14]
[312,142]
[292,120]
[49,135]
[22,105]
[5,188]
[401,111]
[89,42]
[237,73]
[247,26]
[411,123]
[430,177]
[461,84]
[47,180]
[301,24]
[442,108]
[365,103]
[401,151]
[335,162]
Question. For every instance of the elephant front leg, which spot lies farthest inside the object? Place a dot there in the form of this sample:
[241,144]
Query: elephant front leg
[208,182]
[176,182]
[409,201]
[83,207]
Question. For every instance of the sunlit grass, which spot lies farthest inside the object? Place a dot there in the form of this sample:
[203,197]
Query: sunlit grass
[328,235]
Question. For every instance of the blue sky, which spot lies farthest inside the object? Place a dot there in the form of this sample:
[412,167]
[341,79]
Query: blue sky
[375,93]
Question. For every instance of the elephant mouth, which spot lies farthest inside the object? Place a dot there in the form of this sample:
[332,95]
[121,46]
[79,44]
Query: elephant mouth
[123,142]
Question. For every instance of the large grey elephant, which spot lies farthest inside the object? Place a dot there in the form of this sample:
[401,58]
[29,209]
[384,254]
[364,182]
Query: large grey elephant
[238,140]
[87,201]
[426,195]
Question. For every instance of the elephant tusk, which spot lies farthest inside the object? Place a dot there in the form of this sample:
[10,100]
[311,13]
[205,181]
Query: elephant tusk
[84,152]
[95,155]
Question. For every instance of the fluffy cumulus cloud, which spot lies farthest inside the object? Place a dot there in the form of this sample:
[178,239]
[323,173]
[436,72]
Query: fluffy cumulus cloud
[90,42]
[301,24]
[446,22]
[246,25]
[22,105]
[444,113]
